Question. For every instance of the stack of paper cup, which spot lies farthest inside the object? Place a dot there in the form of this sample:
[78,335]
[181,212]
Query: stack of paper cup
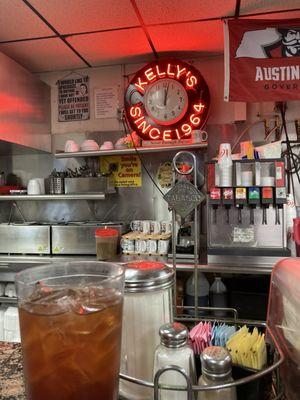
[290,215]
[225,165]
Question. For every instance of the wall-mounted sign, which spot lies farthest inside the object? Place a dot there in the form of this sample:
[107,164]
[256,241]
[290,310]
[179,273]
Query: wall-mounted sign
[126,170]
[167,100]
[106,102]
[73,99]
[262,60]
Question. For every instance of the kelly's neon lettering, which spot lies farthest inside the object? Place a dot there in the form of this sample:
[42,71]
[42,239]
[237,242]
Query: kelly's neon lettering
[180,71]
[140,85]
[159,73]
[150,74]
[169,71]
[191,81]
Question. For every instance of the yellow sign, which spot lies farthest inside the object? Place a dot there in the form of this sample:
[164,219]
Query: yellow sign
[126,170]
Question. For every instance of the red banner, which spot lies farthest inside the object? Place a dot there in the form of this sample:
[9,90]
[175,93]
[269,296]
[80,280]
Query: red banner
[262,60]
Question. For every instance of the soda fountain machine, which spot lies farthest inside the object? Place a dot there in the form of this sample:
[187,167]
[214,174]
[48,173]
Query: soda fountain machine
[247,219]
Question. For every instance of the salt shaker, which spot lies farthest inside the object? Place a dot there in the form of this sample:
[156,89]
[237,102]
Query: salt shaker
[174,350]
[216,370]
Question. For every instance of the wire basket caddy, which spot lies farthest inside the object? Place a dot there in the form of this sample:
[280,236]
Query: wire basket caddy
[190,389]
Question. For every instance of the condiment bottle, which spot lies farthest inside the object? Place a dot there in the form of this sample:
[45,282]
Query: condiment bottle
[216,370]
[174,350]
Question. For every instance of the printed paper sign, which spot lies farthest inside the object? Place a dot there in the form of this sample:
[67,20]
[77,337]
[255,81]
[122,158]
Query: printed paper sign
[73,99]
[127,170]
[262,60]
[106,102]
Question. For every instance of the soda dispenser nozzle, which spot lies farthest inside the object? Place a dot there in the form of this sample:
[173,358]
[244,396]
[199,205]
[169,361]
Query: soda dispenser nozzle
[253,201]
[266,199]
[227,201]
[215,201]
[240,201]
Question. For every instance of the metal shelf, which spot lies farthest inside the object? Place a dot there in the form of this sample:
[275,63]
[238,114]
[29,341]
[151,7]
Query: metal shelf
[44,197]
[141,150]
[11,300]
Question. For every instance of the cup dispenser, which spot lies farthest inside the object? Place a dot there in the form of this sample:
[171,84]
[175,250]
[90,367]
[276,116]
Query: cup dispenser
[248,217]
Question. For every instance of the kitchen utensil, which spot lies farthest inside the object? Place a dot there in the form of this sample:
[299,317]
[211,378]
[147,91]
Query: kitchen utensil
[140,246]
[145,227]
[174,350]
[154,227]
[33,187]
[106,243]
[127,245]
[57,185]
[166,227]
[216,370]
[147,306]
[135,225]
[89,145]
[107,146]
[71,146]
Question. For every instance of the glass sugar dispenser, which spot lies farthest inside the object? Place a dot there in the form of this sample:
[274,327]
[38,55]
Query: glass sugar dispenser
[174,350]
[216,370]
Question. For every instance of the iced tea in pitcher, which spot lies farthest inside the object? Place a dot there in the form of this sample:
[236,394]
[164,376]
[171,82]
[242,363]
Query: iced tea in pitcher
[70,320]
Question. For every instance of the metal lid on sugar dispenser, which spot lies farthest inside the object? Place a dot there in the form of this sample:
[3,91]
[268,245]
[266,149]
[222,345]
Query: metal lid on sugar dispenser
[146,276]
[216,362]
[173,335]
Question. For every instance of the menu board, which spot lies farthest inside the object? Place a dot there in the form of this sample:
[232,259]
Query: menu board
[73,99]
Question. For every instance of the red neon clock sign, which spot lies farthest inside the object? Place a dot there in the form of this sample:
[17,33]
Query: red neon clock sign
[167,100]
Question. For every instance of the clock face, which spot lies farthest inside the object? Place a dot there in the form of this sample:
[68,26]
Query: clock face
[166,101]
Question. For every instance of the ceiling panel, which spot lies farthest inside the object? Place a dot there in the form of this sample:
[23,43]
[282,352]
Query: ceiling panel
[202,37]
[71,16]
[158,11]
[285,15]
[112,47]
[42,55]
[17,21]
[258,6]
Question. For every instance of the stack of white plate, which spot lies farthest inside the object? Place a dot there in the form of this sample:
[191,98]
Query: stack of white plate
[89,145]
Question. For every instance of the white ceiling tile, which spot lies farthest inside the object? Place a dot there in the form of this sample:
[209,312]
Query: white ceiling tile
[258,6]
[42,55]
[17,21]
[158,11]
[197,37]
[71,16]
[112,47]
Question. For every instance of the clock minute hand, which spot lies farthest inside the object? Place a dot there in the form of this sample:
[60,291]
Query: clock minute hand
[166,95]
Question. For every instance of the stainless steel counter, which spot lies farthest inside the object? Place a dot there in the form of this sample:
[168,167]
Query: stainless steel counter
[10,265]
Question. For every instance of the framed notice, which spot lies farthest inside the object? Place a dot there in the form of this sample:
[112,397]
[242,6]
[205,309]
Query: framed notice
[73,99]
[106,102]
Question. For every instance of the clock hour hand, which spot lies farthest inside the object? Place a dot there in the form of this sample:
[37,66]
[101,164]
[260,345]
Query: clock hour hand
[166,95]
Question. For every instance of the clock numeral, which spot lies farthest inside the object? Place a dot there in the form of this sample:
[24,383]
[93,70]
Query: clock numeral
[152,108]
[173,112]
[178,91]
[166,116]
[181,99]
